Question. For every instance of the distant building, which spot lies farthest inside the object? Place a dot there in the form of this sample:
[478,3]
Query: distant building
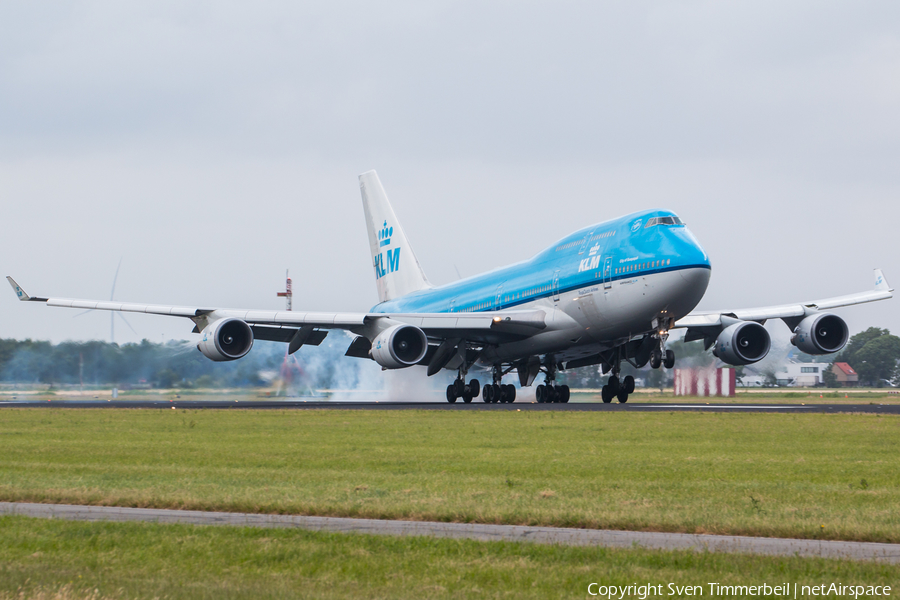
[845,375]
[792,374]
[801,374]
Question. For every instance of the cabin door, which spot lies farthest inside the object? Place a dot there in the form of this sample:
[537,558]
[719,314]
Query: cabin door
[607,273]
[554,287]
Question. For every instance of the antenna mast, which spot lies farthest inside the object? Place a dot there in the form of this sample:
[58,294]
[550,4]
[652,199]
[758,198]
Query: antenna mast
[288,293]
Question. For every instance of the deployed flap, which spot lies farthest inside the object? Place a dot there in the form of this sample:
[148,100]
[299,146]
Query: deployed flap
[397,271]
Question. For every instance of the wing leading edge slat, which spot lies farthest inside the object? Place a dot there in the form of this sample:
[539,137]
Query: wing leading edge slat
[882,291]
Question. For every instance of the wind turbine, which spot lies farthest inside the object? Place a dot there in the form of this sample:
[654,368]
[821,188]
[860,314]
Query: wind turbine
[113,314]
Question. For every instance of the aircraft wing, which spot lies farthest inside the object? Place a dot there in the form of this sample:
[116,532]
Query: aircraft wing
[698,321]
[283,326]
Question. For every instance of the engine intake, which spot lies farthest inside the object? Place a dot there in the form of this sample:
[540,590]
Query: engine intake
[226,339]
[821,333]
[742,343]
[399,347]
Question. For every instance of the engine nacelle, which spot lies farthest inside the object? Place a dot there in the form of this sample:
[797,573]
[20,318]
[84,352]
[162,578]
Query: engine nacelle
[226,339]
[399,347]
[742,344]
[821,333]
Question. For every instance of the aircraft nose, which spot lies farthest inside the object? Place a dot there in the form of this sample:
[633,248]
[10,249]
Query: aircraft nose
[694,252]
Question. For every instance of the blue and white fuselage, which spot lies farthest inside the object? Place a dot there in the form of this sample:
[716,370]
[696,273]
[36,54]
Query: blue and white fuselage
[599,285]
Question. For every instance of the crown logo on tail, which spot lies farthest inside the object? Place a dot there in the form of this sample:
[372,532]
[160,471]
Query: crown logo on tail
[384,236]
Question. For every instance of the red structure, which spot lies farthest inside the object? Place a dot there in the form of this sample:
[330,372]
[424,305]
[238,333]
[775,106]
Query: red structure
[288,293]
[705,382]
[292,374]
[845,375]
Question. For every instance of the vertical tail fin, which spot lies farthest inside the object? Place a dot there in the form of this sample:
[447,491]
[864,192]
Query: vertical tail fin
[397,271]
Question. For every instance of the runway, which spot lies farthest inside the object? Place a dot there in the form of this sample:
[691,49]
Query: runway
[889,553]
[299,404]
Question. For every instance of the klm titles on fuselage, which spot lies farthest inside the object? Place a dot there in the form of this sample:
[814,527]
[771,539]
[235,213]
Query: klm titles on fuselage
[392,264]
[592,262]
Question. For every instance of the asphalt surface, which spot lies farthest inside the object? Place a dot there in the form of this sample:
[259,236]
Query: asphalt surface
[889,553]
[892,409]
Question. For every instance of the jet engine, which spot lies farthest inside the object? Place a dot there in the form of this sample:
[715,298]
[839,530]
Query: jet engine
[742,343]
[399,346]
[821,333]
[226,339]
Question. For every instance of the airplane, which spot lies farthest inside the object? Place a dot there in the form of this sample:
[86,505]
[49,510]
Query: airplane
[605,294]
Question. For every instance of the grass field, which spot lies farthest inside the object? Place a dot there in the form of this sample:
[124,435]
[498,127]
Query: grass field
[48,559]
[787,475]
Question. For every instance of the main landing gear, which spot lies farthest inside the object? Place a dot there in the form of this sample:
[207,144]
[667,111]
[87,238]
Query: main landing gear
[550,392]
[617,389]
[459,389]
[497,392]
[621,388]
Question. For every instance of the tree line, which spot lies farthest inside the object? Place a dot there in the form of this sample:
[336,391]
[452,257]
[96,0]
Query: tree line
[875,356]
[147,363]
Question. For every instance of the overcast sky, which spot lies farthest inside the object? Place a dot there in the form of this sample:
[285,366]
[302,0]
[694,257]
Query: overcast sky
[212,145]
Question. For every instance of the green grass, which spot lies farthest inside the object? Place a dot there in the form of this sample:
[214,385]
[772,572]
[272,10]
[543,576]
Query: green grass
[69,560]
[787,475]
[759,396]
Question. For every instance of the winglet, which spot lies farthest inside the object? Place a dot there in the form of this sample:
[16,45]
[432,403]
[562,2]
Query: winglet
[881,284]
[22,294]
[19,291]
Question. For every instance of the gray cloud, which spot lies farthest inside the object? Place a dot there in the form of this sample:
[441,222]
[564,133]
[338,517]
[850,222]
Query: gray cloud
[212,145]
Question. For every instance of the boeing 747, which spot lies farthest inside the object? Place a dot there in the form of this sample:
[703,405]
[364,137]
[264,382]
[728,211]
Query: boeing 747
[605,294]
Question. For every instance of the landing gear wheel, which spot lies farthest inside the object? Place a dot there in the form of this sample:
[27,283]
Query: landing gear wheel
[539,394]
[655,359]
[487,394]
[510,393]
[670,359]
[451,393]
[622,396]
[475,387]
[613,384]
[504,394]
[467,397]
[606,394]
[460,387]
[563,394]
[628,384]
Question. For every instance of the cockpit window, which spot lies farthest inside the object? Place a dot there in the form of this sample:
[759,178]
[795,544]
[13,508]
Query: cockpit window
[653,222]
